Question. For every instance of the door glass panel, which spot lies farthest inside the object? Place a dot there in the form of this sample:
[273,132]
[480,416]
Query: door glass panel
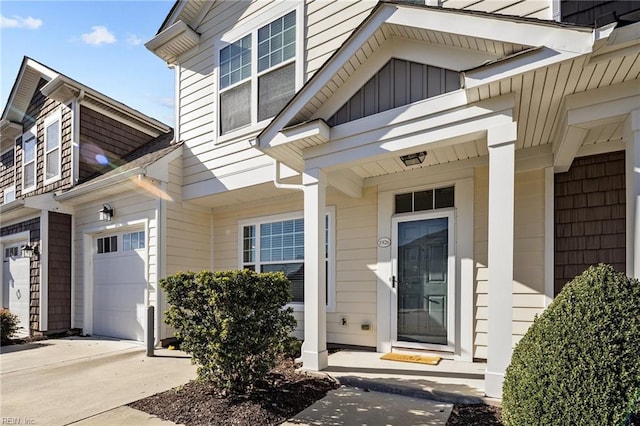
[422,280]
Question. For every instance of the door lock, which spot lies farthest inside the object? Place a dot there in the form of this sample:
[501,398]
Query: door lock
[394,281]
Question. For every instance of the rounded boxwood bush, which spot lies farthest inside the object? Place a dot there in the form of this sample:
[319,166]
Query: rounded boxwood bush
[579,362]
[8,325]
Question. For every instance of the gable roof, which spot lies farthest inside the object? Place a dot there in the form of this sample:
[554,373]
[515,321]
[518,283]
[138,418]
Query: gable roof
[62,88]
[488,36]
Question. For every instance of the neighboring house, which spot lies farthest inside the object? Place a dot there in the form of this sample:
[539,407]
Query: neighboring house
[428,177]
[69,152]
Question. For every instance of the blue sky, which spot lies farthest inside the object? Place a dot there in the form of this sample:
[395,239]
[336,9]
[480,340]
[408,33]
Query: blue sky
[98,43]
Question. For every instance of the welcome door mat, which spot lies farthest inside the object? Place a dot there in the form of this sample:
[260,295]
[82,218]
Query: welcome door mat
[418,359]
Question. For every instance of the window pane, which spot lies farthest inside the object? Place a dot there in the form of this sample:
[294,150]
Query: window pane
[53,164]
[249,244]
[29,175]
[444,197]
[274,38]
[404,203]
[423,200]
[235,59]
[126,242]
[295,274]
[29,147]
[52,135]
[114,244]
[275,89]
[235,106]
[100,245]
[141,242]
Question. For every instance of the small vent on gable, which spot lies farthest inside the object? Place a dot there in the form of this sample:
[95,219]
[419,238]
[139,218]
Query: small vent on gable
[398,83]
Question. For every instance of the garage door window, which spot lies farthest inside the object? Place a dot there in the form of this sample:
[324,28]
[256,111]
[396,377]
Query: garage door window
[107,244]
[133,241]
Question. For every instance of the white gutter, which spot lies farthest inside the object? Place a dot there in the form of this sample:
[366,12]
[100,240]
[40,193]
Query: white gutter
[279,185]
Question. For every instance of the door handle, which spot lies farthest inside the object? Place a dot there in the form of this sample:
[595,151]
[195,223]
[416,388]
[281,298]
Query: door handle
[393,281]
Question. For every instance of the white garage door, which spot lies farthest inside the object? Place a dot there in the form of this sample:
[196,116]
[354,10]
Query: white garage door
[15,284]
[119,285]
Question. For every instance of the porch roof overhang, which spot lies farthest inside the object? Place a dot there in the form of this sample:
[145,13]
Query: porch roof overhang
[29,206]
[490,47]
[100,188]
[173,42]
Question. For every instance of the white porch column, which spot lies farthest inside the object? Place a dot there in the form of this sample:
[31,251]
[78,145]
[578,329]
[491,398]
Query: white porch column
[632,158]
[314,348]
[501,144]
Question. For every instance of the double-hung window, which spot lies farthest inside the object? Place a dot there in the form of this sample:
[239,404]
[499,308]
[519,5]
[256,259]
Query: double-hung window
[258,74]
[29,146]
[276,244]
[52,142]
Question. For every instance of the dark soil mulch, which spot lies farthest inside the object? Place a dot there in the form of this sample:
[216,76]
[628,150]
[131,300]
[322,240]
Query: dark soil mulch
[284,394]
[475,415]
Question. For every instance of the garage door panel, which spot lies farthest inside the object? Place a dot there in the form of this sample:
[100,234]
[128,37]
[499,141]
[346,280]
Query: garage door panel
[119,293]
[15,288]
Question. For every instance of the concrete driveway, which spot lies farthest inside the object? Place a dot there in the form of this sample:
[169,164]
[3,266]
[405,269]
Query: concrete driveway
[62,381]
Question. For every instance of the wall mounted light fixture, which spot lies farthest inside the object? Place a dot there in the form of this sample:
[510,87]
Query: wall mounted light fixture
[414,159]
[106,212]
[29,250]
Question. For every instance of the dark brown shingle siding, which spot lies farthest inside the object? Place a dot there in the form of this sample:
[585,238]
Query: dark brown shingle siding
[590,216]
[59,284]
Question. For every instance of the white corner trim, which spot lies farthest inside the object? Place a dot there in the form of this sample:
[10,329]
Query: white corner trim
[549,235]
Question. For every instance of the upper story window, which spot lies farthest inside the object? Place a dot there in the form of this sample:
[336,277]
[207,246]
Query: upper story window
[9,194]
[52,142]
[258,74]
[29,160]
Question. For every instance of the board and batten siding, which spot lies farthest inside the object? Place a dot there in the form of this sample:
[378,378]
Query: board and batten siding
[528,255]
[356,261]
[129,207]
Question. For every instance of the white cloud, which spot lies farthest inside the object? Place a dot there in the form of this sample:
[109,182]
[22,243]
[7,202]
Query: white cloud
[99,35]
[133,40]
[29,22]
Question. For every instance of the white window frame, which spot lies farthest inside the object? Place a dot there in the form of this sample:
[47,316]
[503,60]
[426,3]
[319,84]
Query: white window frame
[50,121]
[331,258]
[11,189]
[279,10]
[34,131]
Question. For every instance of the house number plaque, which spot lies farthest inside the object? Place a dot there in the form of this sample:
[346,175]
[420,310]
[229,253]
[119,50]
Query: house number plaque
[384,242]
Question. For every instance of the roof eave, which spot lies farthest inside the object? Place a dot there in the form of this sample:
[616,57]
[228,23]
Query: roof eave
[174,41]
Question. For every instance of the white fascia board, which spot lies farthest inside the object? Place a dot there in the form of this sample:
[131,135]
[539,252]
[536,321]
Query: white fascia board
[626,92]
[97,185]
[174,41]
[160,169]
[503,29]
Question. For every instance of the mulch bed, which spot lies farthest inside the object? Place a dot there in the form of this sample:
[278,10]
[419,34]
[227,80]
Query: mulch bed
[475,415]
[284,394]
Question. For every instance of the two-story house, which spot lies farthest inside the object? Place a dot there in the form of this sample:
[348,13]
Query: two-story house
[84,186]
[428,174]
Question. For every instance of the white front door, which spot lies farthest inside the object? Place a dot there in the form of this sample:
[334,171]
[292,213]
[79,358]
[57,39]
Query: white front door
[15,291]
[423,282]
[120,284]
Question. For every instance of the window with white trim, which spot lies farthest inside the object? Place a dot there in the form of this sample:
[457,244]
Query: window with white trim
[133,241]
[52,142]
[107,244]
[276,244]
[258,74]
[9,194]
[29,147]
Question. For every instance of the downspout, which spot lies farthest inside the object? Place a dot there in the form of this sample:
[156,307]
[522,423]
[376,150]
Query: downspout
[279,185]
[75,140]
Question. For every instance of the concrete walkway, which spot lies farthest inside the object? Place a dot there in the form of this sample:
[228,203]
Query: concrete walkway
[62,381]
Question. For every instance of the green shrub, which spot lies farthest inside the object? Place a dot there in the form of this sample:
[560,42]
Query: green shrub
[8,325]
[232,323]
[579,363]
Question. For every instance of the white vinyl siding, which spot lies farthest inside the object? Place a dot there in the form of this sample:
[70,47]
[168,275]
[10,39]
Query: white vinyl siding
[528,272]
[52,144]
[29,157]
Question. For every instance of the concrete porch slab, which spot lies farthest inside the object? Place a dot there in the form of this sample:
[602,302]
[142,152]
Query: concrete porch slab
[449,381]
